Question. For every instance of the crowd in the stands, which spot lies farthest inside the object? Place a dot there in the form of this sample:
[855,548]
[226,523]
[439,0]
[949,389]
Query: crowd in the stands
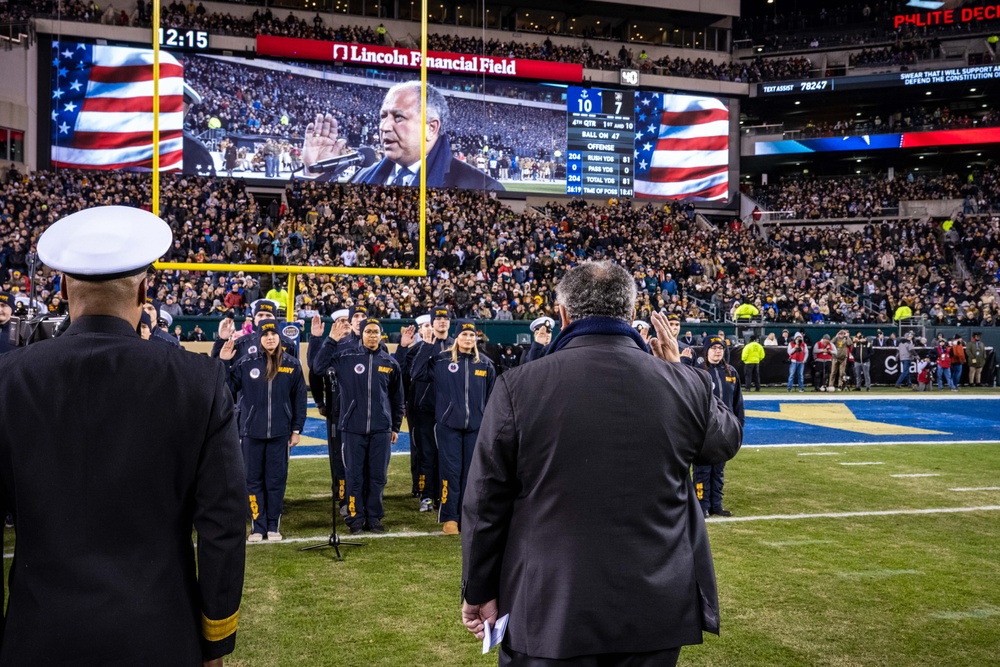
[873,196]
[489,262]
[911,119]
[263,21]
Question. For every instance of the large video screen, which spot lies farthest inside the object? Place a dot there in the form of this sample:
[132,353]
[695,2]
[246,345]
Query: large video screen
[278,120]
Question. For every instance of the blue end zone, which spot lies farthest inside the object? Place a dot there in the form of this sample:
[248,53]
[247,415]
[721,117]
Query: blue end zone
[802,421]
[871,421]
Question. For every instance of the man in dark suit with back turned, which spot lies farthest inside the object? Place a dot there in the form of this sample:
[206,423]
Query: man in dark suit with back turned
[620,577]
[112,450]
[399,134]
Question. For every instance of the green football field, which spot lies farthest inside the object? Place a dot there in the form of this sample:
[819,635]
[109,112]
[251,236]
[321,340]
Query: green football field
[823,564]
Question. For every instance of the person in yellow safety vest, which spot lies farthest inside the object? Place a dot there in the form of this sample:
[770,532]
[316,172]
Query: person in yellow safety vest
[902,313]
[381,31]
[752,355]
[214,123]
[746,311]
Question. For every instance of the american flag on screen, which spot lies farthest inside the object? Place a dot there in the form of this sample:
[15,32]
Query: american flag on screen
[102,108]
[681,147]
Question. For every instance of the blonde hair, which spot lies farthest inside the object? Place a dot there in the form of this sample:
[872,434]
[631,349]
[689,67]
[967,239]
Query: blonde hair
[454,351]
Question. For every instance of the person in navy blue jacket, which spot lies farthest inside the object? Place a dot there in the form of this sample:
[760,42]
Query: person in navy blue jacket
[371,413]
[416,355]
[462,380]
[709,479]
[273,394]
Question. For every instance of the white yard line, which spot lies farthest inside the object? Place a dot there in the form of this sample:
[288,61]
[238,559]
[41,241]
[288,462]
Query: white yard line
[977,488]
[821,454]
[862,463]
[732,519]
[918,474]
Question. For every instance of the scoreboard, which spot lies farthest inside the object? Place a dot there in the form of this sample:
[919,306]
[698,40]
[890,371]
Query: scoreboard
[600,142]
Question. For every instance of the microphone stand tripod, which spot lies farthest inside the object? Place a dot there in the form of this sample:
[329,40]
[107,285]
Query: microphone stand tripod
[334,540]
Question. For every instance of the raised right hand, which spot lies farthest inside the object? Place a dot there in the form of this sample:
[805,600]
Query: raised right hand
[407,335]
[226,328]
[340,329]
[543,336]
[228,350]
[317,326]
[322,141]
[668,350]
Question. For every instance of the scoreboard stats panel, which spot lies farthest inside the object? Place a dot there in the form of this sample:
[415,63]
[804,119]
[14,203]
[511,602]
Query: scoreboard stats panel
[600,142]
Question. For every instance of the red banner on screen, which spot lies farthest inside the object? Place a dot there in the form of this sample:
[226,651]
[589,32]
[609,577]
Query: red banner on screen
[985,135]
[388,56]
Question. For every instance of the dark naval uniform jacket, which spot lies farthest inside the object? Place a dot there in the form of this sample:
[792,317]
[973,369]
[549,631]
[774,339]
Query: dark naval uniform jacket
[626,570]
[119,448]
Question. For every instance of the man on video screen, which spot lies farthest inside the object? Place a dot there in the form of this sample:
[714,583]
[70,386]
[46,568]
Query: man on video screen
[399,135]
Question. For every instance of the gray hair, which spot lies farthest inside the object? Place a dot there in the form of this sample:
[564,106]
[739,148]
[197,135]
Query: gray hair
[437,105]
[597,289]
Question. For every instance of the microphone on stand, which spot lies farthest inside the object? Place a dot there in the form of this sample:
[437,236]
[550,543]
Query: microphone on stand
[363,157]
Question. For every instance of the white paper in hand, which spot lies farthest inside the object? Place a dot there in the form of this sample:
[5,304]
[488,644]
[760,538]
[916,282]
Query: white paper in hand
[493,636]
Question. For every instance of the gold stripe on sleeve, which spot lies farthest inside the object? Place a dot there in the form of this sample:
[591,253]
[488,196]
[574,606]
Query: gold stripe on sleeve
[215,631]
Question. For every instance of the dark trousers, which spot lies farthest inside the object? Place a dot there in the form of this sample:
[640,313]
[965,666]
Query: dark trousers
[751,373]
[821,373]
[428,480]
[455,456]
[335,450]
[366,459]
[413,421]
[267,474]
[708,481]
[665,658]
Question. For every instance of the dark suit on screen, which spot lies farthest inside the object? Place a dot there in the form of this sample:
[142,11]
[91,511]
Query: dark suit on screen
[443,171]
[111,450]
[627,570]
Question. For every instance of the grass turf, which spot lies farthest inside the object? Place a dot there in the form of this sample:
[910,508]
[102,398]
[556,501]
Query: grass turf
[861,590]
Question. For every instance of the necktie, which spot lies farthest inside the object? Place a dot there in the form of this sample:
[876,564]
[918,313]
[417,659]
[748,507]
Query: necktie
[402,178]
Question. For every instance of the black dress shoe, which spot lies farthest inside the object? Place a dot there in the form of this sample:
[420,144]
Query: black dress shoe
[375,527]
[721,512]
[706,514]
[356,529]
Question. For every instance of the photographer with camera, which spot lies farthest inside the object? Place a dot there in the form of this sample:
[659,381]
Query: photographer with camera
[862,351]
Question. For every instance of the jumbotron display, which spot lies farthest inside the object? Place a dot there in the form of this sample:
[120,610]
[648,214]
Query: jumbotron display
[279,120]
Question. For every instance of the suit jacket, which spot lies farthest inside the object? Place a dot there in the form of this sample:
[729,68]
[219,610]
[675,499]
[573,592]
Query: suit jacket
[120,447]
[443,171]
[624,570]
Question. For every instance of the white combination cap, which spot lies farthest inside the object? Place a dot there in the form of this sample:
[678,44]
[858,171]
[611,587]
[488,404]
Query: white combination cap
[423,319]
[105,242]
[639,324]
[337,314]
[166,317]
[542,321]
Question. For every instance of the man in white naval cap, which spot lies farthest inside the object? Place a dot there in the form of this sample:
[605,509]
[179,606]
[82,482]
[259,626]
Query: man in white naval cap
[327,397]
[541,330]
[105,571]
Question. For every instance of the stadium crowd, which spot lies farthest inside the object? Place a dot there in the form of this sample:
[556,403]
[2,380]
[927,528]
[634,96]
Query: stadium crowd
[872,196]
[488,262]
[847,24]
[915,118]
[263,21]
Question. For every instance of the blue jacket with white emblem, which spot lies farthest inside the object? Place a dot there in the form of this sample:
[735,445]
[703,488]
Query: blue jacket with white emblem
[461,388]
[371,390]
[269,408]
